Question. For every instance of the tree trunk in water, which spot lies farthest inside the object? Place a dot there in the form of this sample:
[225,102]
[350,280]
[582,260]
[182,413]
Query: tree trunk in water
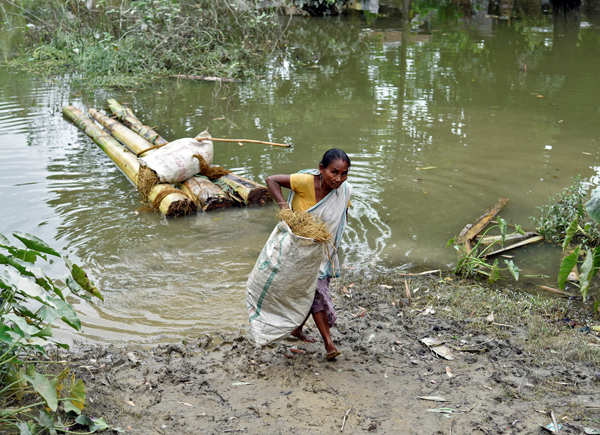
[126,115]
[173,203]
[208,196]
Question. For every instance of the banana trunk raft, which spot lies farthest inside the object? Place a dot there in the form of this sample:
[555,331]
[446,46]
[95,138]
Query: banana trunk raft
[188,185]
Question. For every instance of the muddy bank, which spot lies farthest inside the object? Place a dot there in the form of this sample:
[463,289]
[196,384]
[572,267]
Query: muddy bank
[504,376]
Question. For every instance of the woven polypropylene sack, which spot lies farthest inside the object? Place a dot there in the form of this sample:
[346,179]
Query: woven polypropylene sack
[281,286]
[175,162]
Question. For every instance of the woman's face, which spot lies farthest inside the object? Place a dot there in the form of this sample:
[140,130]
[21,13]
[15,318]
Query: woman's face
[334,174]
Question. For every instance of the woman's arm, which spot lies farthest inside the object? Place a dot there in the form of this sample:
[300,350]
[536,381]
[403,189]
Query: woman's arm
[274,184]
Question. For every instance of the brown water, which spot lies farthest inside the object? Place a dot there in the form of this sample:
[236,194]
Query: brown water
[438,127]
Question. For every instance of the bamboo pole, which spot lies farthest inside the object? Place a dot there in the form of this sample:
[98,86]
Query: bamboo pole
[126,115]
[127,137]
[113,149]
[170,204]
[205,194]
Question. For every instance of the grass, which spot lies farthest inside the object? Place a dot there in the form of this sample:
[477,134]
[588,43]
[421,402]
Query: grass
[540,323]
[130,43]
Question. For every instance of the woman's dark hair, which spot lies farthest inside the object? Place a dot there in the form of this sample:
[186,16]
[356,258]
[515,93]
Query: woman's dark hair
[332,155]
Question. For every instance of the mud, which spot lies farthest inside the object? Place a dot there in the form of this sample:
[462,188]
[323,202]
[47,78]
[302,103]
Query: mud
[223,384]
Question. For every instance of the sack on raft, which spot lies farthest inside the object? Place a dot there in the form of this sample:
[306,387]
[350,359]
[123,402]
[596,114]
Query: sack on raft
[281,287]
[175,162]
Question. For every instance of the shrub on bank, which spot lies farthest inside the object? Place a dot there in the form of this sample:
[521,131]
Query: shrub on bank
[121,42]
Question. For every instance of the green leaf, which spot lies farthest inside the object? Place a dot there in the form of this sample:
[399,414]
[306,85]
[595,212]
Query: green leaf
[45,387]
[9,260]
[82,279]
[593,205]
[69,407]
[513,269]
[99,424]
[67,313]
[571,231]
[566,266]
[4,241]
[78,394]
[25,428]
[32,242]
[94,424]
[587,273]
[494,272]
[502,226]
[5,336]
[22,324]
[25,254]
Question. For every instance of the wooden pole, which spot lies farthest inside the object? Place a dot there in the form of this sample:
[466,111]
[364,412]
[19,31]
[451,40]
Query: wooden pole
[173,203]
[126,115]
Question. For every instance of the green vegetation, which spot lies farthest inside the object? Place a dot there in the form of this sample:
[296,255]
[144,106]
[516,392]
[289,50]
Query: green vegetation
[473,262]
[30,304]
[130,42]
[561,211]
[564,221]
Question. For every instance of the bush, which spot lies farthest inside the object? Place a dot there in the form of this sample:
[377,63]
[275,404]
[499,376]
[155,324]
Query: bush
[30,304]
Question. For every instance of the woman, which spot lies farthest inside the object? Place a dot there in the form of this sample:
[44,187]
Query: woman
[324,193]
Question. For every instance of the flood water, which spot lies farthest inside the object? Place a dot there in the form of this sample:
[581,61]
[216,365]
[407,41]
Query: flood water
[438,125]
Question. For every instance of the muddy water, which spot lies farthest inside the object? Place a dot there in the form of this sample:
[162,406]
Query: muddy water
[438,125]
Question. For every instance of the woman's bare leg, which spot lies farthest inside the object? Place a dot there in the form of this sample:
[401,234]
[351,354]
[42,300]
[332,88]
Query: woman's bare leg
[320,319]
[300,335]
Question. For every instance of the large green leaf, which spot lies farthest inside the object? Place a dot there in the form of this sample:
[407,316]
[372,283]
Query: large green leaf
[566,266]
[35,243]
[94,424]
[5,336]
[587,273]
[571,231]
[44,386]
[593,205]
[67,313]
[4,242]
[27,255]
[25,428]
[82,279]
[10,260]
[78,394]
[513,269]
[21,323]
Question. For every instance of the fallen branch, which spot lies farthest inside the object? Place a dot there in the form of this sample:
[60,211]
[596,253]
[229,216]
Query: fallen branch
[427,272]
[529,241]
[469,232]
[514,237]
[204,78]
[554,290]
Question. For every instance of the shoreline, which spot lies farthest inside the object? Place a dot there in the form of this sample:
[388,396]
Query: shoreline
[509,370]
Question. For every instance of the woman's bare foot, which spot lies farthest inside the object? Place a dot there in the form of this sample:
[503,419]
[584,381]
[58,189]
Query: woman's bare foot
[300,335]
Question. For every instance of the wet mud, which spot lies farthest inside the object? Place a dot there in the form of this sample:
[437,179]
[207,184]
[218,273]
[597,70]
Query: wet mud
[386,381]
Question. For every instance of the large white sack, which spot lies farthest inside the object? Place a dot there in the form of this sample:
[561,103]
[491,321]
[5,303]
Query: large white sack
[281,287]
[175,162]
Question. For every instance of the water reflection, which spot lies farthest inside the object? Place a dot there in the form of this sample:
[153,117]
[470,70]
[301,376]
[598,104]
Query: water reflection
[437,125]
